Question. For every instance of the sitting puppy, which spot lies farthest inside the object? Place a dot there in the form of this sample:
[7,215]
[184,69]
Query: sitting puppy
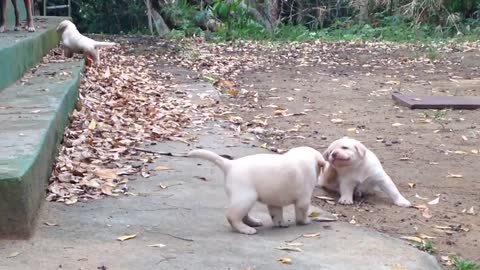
[74,42]
[276,180]
[3,15]
[354,168]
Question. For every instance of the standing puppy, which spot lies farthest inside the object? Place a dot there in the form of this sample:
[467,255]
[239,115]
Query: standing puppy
[275,180]
[74,42]
[3,15]
[354,168]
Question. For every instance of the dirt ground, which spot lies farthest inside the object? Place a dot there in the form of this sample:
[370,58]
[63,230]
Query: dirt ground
[312,94]
[427,147]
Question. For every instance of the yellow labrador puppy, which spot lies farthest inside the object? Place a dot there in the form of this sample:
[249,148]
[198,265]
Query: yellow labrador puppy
[74,42]
[353,169]
[275,180]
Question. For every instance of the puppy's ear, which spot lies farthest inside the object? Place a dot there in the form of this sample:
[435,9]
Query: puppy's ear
[361,149]
[325,154]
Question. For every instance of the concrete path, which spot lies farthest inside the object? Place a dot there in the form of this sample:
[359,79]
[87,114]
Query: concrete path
[188,218]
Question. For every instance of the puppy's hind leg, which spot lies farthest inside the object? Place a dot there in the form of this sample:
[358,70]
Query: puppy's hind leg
[252,222]
[237,212]
[301,212]
[276,213]
[387,185]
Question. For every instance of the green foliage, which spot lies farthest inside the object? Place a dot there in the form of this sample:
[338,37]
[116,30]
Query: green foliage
[427,246]
[464,264]
[112,17]
[400,21]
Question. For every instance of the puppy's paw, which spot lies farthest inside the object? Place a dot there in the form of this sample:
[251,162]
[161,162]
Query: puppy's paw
[345,201]
[252,222]
[2,28]
[303,222]
[402,202]
[280,224]
[247,230]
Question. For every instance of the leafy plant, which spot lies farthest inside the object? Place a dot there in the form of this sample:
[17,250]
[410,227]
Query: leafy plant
[464,264]
[427,246]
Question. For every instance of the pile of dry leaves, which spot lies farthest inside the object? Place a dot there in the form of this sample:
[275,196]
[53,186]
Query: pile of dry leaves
[123,103]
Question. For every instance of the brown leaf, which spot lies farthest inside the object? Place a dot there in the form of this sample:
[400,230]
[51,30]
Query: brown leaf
[126,237]
[108,174]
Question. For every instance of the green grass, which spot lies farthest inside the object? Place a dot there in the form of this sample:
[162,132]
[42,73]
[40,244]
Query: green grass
[464,264]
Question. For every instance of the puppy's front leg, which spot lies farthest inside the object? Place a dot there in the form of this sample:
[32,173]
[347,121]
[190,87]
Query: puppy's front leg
[347,186]
[387,185]
[276,213]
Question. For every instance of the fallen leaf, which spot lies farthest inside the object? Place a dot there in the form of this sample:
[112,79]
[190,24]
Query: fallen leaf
[471,211]
[285,260]
[162,168]
[336,120]
[290,98]
[296,249]
[464,138]
[314,214]
[412,185]
[420,197]
[325,219]
[326,198]
[420,206]
[474,151]
[50,224]
[295,244]
[451,175]
[397,124]
[311,235]
[162,186]
[435,201]
[92,125]
[412,238]
[353,221]
[398,266]
[126,237]
[13,254]
[460,152]
[424,236]
[71,200]
[106,173]
[426,213]
[156,245]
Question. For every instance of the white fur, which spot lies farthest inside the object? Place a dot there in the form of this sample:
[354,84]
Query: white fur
[354,168]
[275,180]
[74,42]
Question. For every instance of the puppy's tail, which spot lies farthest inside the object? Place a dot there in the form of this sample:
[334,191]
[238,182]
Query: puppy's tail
[100,44]
[223,163]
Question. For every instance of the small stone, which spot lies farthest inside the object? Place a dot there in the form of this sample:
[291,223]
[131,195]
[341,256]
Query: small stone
[323,138]
[388,144]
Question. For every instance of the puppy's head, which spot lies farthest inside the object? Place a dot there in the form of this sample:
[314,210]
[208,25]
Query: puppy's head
[63,25]
[345,152]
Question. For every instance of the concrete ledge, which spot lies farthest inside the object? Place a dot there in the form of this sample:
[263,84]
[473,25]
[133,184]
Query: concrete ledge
[33,116]
[19,51]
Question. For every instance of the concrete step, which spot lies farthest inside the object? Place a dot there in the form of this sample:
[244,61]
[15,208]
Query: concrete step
[20,50]
[33,113]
